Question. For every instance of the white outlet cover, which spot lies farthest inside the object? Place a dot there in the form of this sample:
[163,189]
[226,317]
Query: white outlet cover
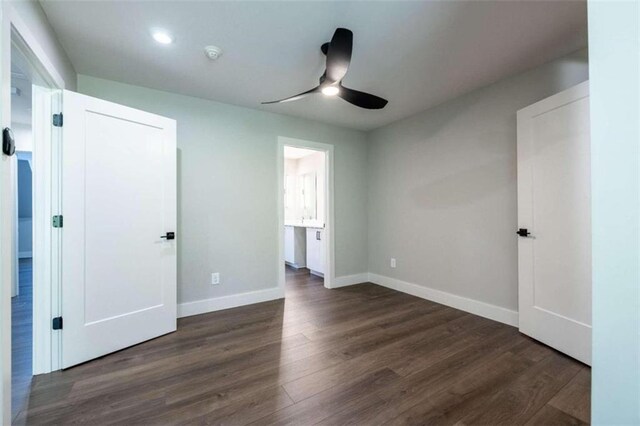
[215,278]
[393,263]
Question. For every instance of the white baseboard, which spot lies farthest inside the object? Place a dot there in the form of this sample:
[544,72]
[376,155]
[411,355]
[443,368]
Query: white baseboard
[476,307]
[350,280]
[316,273]
[493,312]
[24,254]
[197,307]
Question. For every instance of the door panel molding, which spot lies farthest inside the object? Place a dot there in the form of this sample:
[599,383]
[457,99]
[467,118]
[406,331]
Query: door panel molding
[118,200]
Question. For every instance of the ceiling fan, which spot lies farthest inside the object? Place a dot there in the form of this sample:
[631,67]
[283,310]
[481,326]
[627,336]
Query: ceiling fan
[338,53]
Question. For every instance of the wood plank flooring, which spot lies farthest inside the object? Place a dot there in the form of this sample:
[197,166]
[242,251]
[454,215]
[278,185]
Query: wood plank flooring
[362,355]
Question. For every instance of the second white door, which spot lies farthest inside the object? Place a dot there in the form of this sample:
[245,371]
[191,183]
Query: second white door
[554,214]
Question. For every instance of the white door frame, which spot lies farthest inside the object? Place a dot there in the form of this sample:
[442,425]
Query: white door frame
[13,27]
[46,281]
[329,266]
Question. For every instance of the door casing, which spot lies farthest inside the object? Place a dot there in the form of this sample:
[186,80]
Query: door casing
[15,30]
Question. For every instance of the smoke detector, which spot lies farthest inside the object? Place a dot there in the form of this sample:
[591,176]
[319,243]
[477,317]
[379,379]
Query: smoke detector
[212,52]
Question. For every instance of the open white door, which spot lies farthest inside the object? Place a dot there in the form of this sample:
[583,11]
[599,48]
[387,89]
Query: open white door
[118,206]
[554,206]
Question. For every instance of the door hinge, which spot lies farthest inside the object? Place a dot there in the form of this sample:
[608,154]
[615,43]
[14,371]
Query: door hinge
[57,221]
[57,323]
[57,120]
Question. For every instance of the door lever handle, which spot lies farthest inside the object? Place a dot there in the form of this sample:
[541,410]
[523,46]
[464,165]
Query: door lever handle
[524,232]
[169,236]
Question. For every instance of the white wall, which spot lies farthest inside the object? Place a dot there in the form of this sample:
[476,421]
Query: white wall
[227,188]
[6,262]
[32,15]
[313,163]
[23,136]
[614,46]
[290,175]
[442,188]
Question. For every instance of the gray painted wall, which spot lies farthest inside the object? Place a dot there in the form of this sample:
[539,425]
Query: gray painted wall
[24,187]
[436,191]
[614,38]
[227,198]
[442,188]
[25,207]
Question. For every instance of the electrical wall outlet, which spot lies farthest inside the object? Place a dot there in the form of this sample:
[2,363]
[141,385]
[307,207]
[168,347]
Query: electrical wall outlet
[215,278]
[393,262]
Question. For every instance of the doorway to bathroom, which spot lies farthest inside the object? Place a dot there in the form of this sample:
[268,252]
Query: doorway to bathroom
[305,183]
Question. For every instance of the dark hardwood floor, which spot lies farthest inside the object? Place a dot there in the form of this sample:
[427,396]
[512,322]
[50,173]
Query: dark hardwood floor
[21,338]
[358,355]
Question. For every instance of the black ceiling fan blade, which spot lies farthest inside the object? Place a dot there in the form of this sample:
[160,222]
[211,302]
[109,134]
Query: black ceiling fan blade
[295,97]
[339,55]
[362,99]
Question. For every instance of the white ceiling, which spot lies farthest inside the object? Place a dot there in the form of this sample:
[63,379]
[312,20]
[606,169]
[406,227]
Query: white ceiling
[295,153]
[415,54]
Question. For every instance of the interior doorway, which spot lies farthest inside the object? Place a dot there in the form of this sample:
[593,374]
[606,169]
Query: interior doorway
[22,289]
[31,182]
[306,213]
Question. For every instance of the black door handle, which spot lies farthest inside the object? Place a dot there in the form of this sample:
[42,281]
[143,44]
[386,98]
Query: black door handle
[169,236]
[523,232]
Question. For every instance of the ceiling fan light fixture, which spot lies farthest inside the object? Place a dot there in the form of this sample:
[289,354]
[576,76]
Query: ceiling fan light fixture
[330,90]
[338,57]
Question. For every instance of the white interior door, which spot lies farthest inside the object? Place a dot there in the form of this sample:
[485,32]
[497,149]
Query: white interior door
[118,199]
[554,206]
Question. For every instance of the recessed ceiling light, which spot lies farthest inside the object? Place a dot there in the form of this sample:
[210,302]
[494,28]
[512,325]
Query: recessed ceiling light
[162,37]
[330,90]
